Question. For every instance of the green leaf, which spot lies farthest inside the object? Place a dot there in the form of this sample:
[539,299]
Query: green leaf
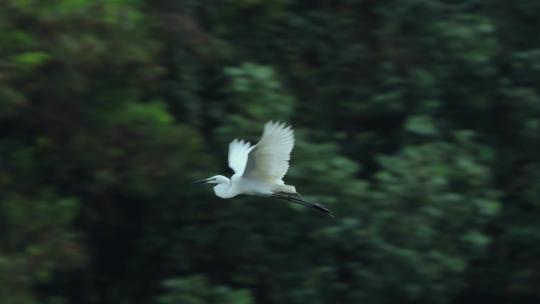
[32,59]
[422,125]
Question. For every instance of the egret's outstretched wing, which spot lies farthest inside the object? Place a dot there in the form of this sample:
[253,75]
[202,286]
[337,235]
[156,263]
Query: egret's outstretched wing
[238,155]
[269,158]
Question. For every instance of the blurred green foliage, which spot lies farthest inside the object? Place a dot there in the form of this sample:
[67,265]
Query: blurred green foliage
[417,122]
[195,290]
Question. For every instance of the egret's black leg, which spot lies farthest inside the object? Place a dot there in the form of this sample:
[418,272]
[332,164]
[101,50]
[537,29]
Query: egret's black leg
[304,203]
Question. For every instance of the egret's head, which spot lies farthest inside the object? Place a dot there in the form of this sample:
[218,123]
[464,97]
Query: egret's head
[222,187]
[217,179]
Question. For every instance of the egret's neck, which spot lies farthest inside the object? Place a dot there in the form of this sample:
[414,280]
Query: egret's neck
[225,190]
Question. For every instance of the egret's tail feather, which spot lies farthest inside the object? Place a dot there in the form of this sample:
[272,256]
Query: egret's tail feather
[287,189]
[300,196]
[316,206]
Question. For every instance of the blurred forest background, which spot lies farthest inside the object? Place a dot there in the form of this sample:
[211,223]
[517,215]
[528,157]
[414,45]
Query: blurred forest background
[417,122]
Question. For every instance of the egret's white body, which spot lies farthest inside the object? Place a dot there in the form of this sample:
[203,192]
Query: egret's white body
[259,169]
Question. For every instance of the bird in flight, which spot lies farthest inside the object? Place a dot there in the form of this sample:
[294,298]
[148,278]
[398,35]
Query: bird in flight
[259,169]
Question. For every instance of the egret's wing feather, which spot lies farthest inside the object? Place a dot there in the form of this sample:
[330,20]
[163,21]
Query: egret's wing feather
[269,158]
[238,155]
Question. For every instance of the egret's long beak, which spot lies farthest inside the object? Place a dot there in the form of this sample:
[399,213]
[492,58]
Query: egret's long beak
[202,181]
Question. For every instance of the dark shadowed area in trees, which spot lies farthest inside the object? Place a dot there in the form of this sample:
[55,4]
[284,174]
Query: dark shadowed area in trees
[417,122]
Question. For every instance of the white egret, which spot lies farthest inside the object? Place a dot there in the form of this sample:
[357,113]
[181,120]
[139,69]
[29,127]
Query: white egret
[259,169]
